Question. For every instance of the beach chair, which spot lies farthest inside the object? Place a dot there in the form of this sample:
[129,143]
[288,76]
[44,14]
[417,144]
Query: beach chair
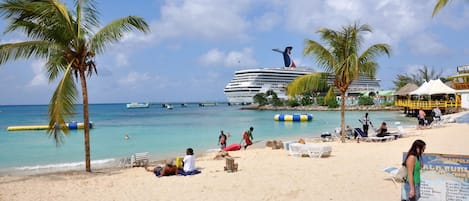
[139,159]
[394,174]
[402,132]
[311,150]
[364,136]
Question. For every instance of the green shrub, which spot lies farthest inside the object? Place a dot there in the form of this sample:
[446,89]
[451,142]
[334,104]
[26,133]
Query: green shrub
[365,100]
[332,103]
[260,99]
[320,101]
[292,102]
[388,103]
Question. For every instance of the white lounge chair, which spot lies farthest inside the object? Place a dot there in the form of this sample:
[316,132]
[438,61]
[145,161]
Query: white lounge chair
[139,159]
[393,173]
[403,132]
[362,135]
[312,150]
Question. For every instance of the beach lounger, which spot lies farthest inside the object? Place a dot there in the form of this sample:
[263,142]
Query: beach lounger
[312,150]
[139,159]
[361,134]
[402,132]
[393,173]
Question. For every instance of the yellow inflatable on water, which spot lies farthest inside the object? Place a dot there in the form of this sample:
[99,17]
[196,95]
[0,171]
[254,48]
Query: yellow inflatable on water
[293,117]
[71,126]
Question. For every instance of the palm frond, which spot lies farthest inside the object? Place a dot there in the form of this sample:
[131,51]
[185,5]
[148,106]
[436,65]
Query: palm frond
[115,30]
[307,83]
[87,10]
[323,57]
[62,105]
[55,65]
[24,50]
[439,5]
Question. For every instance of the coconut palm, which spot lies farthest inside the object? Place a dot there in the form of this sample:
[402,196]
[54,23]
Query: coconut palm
[67,41]
[424,74]
[340,59]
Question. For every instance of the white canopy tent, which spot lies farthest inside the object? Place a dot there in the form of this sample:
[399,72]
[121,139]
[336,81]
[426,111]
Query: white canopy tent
[433,87]
[420,90]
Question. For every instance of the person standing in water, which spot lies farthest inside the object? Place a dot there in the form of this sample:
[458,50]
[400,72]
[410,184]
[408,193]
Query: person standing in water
[222,140]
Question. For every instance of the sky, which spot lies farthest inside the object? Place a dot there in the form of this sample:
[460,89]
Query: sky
[195,46]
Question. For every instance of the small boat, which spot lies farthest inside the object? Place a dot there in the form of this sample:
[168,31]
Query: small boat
[137,105]
[169,106]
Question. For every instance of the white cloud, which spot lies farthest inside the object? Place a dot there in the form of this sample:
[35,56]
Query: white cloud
[202,19]
[427,44]
[267,21]
[216,57]
[134,79]
[392,21]
[122,59]
[39,78]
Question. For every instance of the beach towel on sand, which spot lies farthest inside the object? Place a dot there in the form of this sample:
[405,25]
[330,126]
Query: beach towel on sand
[193,172]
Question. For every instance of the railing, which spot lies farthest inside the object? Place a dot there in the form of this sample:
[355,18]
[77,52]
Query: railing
[426,105]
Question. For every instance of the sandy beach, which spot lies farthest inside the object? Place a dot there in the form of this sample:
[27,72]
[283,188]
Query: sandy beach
[353,172]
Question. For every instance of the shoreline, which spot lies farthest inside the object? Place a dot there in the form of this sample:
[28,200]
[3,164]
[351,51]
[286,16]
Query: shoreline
[264,174]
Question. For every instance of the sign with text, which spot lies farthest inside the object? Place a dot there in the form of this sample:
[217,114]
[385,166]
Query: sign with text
[445,177]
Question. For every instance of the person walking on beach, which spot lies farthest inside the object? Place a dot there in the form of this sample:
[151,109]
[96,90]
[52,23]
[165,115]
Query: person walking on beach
[413,162]
[222,140]
[246,139]
[366,122]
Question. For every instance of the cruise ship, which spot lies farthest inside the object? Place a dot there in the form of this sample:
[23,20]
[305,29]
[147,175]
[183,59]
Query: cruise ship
[249,82]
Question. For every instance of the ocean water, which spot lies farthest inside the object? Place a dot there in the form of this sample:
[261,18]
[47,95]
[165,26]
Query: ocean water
[162,132]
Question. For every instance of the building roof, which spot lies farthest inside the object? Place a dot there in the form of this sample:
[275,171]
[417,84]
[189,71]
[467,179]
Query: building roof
[406,89]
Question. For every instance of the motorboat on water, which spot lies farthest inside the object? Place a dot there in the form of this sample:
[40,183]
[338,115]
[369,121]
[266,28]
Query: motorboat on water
[137,105]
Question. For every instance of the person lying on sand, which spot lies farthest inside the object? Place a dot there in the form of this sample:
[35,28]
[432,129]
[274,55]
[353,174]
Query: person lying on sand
[167,170]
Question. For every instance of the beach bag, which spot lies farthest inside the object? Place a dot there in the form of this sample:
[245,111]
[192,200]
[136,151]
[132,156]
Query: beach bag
[401,175]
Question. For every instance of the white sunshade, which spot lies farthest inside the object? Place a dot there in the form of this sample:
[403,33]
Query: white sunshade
[420,90]
[433,87]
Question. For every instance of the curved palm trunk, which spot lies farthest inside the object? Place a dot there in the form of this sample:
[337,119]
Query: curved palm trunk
[84,93]
[342,116]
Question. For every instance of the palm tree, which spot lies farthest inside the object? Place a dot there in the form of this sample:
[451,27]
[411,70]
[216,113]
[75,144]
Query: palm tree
[65,38]
[424,74]
[341,60]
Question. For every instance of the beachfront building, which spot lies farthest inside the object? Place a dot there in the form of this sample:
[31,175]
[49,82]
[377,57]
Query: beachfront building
[460,83]
[428,96]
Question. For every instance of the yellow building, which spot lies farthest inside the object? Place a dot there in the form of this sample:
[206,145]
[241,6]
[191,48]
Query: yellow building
[461,84]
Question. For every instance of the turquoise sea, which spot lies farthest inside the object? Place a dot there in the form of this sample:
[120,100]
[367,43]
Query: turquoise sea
[162,132]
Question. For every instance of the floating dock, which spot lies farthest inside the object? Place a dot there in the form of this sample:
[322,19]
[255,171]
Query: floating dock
[70,125]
